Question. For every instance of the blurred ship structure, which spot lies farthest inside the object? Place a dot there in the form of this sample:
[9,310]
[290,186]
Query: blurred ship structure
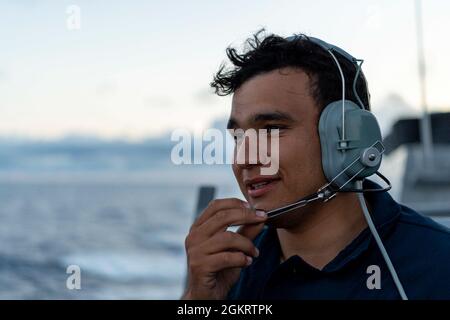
[424,183]
[426,179]
[418,148]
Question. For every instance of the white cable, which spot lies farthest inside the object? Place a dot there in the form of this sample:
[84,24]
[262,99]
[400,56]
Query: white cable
[343,92]
[375,234]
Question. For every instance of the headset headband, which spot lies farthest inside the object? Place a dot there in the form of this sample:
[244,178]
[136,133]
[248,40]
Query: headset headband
[325,45]
[332,48]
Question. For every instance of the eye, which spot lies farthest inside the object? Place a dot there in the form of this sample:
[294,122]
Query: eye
[238,136]
[271,127]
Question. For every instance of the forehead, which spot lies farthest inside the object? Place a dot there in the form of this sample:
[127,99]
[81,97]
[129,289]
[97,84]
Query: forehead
[283,90]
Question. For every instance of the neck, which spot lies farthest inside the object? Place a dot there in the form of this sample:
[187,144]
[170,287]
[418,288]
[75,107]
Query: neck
[322,234]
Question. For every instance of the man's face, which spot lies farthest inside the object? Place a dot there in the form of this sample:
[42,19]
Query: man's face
[279,99]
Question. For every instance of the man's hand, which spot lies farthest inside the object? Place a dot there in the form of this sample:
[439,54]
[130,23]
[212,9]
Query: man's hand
[216,256]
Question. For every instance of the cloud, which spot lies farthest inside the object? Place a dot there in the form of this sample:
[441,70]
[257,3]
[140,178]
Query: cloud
[3,75]
[390,109]
[158,101]
[374,18]
[205,96]
[106,88]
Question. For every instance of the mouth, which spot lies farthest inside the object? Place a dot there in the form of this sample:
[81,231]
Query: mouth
[260,186]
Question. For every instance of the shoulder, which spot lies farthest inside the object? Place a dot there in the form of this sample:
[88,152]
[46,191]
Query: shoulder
[424,227]
[422,253]
[423,235]
[424,239]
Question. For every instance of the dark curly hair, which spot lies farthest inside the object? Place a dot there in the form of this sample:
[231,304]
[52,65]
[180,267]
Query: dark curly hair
[264,53]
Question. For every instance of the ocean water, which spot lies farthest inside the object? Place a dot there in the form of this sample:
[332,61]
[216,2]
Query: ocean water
[124,230]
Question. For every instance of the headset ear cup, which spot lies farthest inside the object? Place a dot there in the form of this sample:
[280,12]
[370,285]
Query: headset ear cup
[362,132]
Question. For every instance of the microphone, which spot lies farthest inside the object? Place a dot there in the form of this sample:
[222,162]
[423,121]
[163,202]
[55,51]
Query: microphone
[276,217]
[323,194]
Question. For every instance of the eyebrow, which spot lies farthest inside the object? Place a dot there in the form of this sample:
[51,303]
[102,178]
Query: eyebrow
[262,117]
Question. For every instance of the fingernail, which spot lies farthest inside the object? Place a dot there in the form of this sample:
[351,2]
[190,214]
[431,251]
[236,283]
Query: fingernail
[249,260]
[261,213]
[257,252]
[247,205]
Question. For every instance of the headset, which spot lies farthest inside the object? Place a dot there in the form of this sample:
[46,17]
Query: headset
[352,149]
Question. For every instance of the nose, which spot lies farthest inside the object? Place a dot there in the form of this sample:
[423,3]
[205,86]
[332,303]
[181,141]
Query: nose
[246,150]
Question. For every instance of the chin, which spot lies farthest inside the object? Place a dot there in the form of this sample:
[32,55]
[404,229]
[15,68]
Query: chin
[293,219]
[289,220]
[266,204]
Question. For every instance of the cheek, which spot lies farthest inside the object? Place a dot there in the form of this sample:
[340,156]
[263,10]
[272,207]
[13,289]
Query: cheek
[301,157]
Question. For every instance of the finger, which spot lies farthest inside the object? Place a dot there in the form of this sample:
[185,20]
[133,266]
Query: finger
[217,205]
[228,241]
[225,260]
[250,231]
[230,217]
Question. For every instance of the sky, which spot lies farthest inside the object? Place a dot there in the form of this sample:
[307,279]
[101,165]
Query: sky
[136,69]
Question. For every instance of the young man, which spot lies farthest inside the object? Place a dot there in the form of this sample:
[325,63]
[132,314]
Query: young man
[327,251]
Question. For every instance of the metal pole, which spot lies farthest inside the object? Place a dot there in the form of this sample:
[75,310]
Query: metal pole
[425,123]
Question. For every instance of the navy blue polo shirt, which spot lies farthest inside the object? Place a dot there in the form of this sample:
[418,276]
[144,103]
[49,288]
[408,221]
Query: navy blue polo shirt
[419,249]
